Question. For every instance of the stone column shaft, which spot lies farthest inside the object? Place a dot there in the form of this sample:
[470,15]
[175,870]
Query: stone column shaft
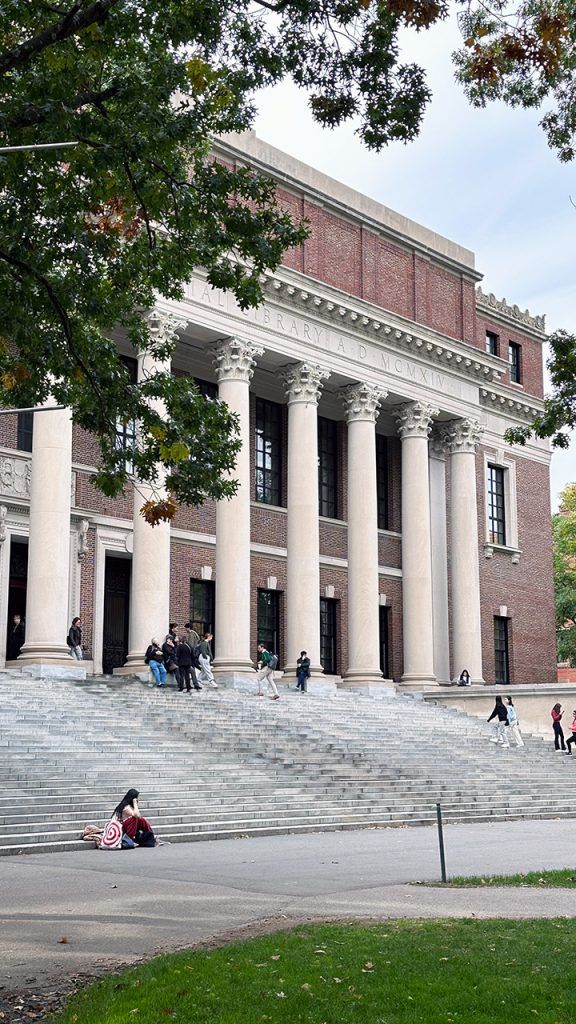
[437,468]
[49,543]
[415,421]
[234,360]
[362,403]
[303,384]
[461,437]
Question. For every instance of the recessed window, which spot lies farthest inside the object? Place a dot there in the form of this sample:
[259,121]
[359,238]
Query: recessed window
[515,362]
[492,346]
[496,505]
[268,621]
[385,641]
[207,388]
[202,593]
[25,431]
[382,481]
[268,452]
[328,652]
[501,650]
[327,468]
[126,431]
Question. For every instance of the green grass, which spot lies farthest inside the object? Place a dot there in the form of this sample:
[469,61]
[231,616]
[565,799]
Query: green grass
[564,878]
[403,972]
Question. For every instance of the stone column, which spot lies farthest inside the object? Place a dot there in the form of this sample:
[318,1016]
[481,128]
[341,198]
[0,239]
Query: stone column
[303,385]
[437,469]
[362,404]
[45,651]
[234,360]
[414,424]
[150,582]
[461,438]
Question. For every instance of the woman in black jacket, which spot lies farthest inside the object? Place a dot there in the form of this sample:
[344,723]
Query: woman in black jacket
[501,714]
[170,659]
[186,666]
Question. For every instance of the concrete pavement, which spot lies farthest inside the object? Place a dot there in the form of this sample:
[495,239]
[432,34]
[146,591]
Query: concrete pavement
[119,906]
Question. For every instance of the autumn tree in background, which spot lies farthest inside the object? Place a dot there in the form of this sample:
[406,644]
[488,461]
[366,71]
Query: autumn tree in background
[564,534]
[90,236]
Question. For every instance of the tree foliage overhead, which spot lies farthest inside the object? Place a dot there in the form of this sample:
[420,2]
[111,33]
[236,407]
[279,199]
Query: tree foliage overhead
[91,236]
[564,534]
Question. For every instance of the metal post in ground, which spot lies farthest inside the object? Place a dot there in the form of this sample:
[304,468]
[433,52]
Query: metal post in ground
[441,841]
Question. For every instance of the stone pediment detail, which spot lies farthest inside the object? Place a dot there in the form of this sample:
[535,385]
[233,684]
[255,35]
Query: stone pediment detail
[448,353]
[522,317]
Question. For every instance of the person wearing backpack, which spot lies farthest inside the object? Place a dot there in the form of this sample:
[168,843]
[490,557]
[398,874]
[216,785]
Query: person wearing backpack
[203,651]
[74,639]
[155,661]
[185,660]
[267,662]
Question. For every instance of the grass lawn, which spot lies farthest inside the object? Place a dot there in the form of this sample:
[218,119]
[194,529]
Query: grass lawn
[563,878]
[403,972]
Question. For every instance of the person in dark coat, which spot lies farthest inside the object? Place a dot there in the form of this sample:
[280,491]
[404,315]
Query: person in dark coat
[500,713]
[556,715]
[170,659]
[15,638]
[302,671]
[186,668]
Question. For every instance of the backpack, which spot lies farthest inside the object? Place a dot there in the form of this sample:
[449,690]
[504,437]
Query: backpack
[273,663]
[147,655]
[196,652]
[69,641]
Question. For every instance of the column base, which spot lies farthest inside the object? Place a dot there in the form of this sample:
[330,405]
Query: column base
[414,681]
[369,685]
[38,667]
[139,669]
[233,666]
[229,679]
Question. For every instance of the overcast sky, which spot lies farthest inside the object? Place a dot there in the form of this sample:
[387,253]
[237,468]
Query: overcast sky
[484,178]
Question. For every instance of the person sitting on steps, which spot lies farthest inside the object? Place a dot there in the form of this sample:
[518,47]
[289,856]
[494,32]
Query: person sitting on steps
[134,825]
[155,661]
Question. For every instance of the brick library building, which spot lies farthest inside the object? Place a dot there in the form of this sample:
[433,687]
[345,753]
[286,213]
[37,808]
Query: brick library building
[382,523]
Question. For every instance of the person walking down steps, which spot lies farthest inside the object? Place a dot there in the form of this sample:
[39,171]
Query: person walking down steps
[267,662]
[500,713]
[205,661]
[75,639]
[556,715]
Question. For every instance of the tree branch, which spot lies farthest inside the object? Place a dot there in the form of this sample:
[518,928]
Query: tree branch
[37,115]
[73,22]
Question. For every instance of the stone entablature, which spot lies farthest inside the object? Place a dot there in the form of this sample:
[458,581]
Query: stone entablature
[513,315]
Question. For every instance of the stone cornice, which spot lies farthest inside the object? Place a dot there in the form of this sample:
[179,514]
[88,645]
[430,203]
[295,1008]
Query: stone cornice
[313,298]
[506,404]
[512,315]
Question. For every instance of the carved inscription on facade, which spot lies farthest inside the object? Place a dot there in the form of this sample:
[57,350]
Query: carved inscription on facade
[326,339]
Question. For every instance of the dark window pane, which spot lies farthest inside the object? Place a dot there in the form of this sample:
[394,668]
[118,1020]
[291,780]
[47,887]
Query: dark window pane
[492,343]
[126,432]
[501,651]
[496,506]
[268,439]
[328,650]
[268,621]
[382,480]
[207,388]
[515,359]
[328,467]
[25,431]
[385,641]
[202,607]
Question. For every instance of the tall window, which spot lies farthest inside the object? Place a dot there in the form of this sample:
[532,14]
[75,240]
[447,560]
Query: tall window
[268,452]
[268,621]
[496,505]
[207,388]
[328,467]
[501,650]
[382,480]
[328,658]
[385,641]
[492,343]
[202,606]
[515,361]
[126,431]
[25,431]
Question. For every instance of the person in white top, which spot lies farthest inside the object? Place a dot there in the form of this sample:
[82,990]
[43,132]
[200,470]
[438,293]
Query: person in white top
[513,726]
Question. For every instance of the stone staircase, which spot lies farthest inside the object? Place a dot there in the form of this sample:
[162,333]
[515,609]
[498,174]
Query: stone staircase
[224,764]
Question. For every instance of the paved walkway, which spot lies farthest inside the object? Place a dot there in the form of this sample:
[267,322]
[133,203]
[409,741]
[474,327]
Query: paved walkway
[120,906]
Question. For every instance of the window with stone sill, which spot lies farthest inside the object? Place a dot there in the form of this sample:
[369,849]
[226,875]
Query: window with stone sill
[126,431]
[492,343]
[515,362]
[268,461]
[327,468]
[496,505]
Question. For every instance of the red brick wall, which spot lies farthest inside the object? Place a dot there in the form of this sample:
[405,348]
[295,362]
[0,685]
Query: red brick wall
[527,588]
[531,357]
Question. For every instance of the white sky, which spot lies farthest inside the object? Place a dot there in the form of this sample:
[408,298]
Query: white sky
[484,178]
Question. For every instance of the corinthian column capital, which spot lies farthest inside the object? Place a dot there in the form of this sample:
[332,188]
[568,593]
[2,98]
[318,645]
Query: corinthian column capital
[234,359]
[362,401]
[303,382]
[415,419]
[461,435]
[164,327]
